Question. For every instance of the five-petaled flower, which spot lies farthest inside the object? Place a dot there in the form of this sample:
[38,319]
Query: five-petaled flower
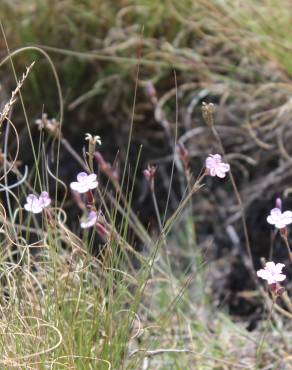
[36,204]
[279,219]
[272,273]
[90,221]
[84,182]
[215,166]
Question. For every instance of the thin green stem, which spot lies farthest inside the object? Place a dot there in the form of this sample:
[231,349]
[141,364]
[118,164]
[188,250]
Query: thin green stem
[262,340]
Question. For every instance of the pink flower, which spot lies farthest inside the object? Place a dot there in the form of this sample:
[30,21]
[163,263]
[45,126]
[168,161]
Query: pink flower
[215,166]
[279,219]
[36,204]
[272,273]
[90,220]
[84,182]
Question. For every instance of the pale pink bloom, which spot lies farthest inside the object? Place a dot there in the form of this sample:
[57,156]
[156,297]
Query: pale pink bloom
[272,272]
[279,219]
[84,182]
[36,204]
[90,220]
[215,166]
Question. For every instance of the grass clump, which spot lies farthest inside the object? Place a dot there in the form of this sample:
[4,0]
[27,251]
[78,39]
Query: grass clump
[122,293]
[89,299]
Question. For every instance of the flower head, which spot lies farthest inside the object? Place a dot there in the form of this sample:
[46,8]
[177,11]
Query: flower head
[279,219]
[272,272]
[93,139]
[84,182]
[90,220]
[36,204]
[215,166]
[51,125]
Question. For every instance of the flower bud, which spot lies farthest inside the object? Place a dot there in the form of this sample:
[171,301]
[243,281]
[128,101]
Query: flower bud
[279,203]
[149,173]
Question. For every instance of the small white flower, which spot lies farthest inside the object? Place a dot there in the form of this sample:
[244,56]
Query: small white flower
[93,139]
[272,272]
[51,125]
[84,182]
[36,204]
[215,166]
[279,219]
[90,220]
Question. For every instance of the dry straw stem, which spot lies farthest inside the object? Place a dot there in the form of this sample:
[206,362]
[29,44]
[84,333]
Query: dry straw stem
[9,104]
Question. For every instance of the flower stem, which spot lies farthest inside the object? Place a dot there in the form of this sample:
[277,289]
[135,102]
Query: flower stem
[262,340]
[288,247]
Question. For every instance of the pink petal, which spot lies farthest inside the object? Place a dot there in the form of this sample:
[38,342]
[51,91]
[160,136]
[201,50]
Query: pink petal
[32,204]
[44,199]
[90,221]
[275,212]
[279,267]
[31,199]
[264,274]
[34,208]
[271,280]
[209,162]
[287,216]
[280,224]
[212,171]
[82,176]
[44,194]
[280,277]
[92,185]
[91,177]
[77,186]
[270,266]
[225,167]
[217,157]
[220,173]
[271,219]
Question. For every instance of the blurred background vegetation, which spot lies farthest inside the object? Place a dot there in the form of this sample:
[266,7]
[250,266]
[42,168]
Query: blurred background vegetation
[236,54]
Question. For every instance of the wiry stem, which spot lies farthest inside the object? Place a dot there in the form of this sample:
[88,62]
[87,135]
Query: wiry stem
[286,242]
[208,115]
[261,343]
